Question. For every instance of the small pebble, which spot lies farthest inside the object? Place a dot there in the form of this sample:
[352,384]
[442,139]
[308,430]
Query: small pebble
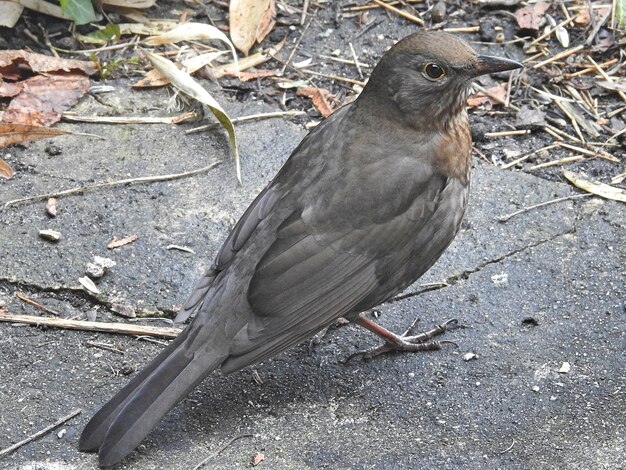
[565,368]
[469,356]
[61,433]
[535,388]
[50,235]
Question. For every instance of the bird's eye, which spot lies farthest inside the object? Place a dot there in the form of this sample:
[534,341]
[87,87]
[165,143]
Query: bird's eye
[434,71]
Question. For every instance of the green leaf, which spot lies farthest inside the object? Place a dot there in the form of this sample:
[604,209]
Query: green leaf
[620,12]
[109,33]
[81,11]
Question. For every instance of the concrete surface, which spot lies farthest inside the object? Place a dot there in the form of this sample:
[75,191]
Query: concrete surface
[545,288]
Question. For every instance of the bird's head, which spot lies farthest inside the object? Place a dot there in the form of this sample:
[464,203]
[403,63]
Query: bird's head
[427,75]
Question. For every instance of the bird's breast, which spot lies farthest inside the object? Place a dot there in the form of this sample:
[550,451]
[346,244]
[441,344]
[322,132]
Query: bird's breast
[453,149]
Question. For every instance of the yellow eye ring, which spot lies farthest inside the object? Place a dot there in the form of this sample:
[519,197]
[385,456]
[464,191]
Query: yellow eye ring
[434,71]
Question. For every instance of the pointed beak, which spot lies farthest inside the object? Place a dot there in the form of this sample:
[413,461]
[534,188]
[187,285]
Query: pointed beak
[484,64]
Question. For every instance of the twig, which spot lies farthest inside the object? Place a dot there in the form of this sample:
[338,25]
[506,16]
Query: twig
[467,29]
[295,47]
[70,117]
[552,30]
[110,184]
[106,346]
[505,218]
[507,133]
[606,76]
[561,161]
[356,61]
[104,327]
[526,156]
[250,117]
[559,56]
[305,8]
[592,153]
[334,77]
[45,430]
[221,449]
[34,303]
[403,14]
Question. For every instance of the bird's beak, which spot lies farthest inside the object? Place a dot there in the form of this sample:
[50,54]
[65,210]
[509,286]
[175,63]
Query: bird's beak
[484,64]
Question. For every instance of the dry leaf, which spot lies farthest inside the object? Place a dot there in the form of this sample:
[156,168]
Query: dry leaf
[257,458]
[321,99]
[11,134]
[184,82]
[253,60]
[153,28]
[250,22]
[115,243]
[6,171]
[530,16]
[599,189]
[583,17]
[191,32]
[154,78]
[89,285]
[480,98]
[246,76]
[45,97]
[40,63]
[9,13]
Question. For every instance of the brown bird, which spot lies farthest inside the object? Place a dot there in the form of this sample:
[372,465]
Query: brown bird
[361,209]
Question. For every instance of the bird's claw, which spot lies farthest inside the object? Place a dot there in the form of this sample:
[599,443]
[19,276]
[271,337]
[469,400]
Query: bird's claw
[410,343]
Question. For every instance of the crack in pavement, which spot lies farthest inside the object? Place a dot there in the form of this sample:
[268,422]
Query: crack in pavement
[466,273]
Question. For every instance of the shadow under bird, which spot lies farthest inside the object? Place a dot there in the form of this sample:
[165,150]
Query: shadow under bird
[362,208]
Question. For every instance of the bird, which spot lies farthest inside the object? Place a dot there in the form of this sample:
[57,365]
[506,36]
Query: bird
[364,206]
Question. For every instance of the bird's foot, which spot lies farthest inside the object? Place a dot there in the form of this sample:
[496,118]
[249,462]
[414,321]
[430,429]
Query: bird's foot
[407,341]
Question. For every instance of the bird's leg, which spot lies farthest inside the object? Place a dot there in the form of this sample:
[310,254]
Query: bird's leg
[404,342]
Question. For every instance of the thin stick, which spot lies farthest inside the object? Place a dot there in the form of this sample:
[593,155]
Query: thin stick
[106,346]
[505,218]
[110,184]
[103,327]
[559,56]
[467,29]
[507,133]
[334,77]
[356,62]
[45,430]
[606,76]
[34,303]
[295,47]
[551,129]
[528,155]
[593,153]
[561,161]
[250,117]
[403,14]
[70,117]
[221,449]
[552,30]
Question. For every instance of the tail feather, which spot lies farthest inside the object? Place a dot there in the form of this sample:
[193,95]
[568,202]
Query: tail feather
[124,421]
[93,434]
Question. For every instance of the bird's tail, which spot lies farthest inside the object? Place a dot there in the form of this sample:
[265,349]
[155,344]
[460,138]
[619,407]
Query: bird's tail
[129,416]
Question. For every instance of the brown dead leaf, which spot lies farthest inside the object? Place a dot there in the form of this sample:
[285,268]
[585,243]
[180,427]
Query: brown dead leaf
[40,63]
[137,4]
[583,16]
[480,98]
[321,99]
[247,76]
[257,458]
[9,90]
[116,243]
[6,171]
[530,16]
[250,21]
[11,134]
[45,97]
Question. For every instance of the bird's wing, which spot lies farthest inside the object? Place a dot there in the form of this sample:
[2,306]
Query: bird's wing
[310,276]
